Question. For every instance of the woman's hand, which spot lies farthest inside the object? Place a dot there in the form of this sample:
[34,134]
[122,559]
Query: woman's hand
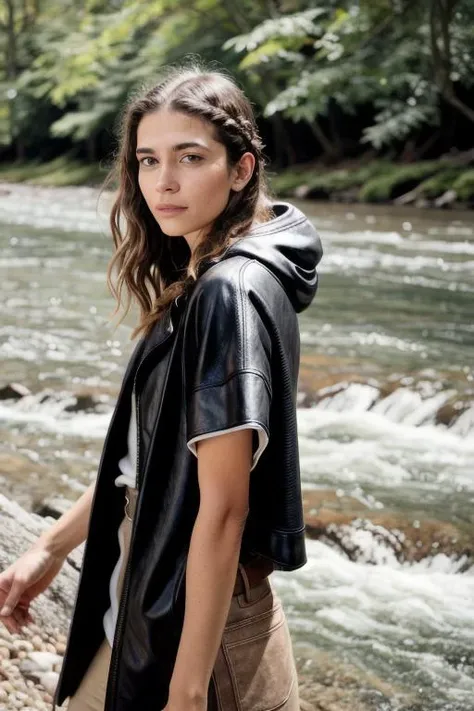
[22,581]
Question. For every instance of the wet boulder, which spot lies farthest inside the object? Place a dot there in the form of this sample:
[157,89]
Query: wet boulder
[30,661]
[13,391]
[382,536]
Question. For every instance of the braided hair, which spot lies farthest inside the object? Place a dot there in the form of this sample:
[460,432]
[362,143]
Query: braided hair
[155,270]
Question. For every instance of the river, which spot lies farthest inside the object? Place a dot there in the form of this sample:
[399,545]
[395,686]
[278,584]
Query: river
[394,314]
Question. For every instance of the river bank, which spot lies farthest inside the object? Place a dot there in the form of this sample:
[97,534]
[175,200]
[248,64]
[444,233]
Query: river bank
[381,614]
[446,182]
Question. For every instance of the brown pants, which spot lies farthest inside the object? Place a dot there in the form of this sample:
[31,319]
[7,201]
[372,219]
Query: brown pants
[254,669]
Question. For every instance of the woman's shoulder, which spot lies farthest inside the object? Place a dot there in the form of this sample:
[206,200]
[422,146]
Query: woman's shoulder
[237,275]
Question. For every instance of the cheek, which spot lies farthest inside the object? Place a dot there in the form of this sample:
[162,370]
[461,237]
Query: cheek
[143,184]
[214,188]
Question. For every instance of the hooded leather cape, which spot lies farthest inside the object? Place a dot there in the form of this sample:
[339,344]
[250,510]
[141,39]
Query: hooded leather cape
[226,355]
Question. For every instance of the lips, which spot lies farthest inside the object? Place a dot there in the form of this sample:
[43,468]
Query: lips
[169,209]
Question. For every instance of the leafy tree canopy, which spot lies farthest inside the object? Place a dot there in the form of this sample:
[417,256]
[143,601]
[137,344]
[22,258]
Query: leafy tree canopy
[67,66]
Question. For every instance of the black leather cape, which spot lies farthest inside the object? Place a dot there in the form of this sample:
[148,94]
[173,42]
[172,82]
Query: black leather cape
[227,354]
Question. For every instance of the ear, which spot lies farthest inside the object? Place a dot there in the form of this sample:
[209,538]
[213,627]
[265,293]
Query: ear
[243,171]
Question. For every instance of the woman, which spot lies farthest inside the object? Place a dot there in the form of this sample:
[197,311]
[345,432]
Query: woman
[199,472]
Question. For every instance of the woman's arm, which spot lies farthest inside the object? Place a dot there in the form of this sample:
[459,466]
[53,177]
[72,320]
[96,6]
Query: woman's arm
[224,465]
[33,572]
[70,529]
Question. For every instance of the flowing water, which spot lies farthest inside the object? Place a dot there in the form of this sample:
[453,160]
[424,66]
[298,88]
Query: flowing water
[386,347]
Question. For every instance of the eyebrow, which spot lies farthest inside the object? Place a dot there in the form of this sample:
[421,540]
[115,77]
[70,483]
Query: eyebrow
[177,147]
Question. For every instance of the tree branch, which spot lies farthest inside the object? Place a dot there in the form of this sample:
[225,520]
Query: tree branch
[328,148]
[441,14]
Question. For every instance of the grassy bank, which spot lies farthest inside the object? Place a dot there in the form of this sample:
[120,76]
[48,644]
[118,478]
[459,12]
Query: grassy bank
[57,173]
[446,182]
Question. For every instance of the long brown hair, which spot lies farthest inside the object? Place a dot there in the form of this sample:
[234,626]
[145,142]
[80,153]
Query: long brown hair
[152,268]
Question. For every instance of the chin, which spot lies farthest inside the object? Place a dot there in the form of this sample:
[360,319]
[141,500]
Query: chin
[172,228]
[171,232]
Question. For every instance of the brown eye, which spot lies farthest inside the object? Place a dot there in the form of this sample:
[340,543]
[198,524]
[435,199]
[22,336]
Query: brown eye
[194,158]
[147,165]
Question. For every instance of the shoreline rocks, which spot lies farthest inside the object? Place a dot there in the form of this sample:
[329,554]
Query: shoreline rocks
[328,683]
[30,662]
[377,537]
[424,397]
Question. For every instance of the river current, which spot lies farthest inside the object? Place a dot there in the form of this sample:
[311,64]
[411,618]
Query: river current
[393,316]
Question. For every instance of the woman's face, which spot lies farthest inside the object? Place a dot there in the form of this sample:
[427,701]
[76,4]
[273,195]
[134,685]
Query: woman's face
[183,173]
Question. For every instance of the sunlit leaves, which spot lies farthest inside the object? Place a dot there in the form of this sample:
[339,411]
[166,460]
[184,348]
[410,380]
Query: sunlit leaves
[290,28]
[397,121]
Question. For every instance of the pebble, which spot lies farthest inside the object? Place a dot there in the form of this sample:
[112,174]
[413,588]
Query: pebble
[30,663]
[21,695]
[37,642]
[23,645]
[49,680]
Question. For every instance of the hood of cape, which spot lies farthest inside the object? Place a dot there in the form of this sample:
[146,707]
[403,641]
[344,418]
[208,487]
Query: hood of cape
[290,247]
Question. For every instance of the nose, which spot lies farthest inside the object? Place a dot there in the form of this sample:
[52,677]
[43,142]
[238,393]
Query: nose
[166,180]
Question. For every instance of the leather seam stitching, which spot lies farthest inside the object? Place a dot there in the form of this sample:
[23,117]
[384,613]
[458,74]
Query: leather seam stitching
[244,322]
[282,228]
[274,276]
[241,371]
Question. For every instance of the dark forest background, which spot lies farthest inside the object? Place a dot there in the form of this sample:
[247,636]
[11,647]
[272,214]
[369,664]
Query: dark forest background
[332,82]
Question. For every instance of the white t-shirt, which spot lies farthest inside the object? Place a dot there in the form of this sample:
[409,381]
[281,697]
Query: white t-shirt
[127,477]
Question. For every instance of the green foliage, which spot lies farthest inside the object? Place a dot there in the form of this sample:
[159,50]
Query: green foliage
[59,172]
[440,182]
[68,67]
[464,186]
[319,180]
[377,181]
[396,181]
[291,31]
[379,53]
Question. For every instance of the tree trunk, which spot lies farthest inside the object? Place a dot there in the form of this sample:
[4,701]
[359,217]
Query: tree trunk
[91,148]
[335,137]
[11,68]
[329,149]
[284,152]
[429,143]
[11,74]
[441,14]
[459,105]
